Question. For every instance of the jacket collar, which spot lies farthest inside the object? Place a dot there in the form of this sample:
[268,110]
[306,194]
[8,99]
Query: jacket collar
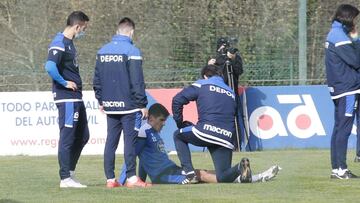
[336,24]
[121,38]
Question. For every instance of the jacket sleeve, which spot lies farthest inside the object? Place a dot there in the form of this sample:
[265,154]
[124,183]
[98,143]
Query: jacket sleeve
[136,77]
[182,98]
[55,54]
[141,141]
[53,71]
[350,54]
[142,172]
[97,81]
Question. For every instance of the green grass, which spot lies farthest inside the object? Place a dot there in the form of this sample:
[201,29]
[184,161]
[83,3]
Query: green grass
[304,178]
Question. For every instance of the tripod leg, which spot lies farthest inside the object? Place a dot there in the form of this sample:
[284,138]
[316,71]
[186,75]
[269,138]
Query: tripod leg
[230,77]
[246,121]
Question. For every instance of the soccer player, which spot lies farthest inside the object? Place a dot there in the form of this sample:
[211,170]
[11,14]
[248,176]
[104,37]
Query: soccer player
[155,162]
[62,66]
[216,108]
[120,90]
[342,61]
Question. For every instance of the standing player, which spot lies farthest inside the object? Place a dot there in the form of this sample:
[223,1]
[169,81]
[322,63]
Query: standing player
[63,68]
[155,162]
[342,61]
[216,108]
[120,89]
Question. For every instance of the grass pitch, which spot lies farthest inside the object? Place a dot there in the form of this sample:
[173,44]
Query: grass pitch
[304,178]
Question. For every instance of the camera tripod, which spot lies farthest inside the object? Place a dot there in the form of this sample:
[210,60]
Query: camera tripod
[230,76]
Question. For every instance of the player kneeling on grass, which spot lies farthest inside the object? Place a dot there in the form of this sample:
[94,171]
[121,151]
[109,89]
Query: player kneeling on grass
[154,161]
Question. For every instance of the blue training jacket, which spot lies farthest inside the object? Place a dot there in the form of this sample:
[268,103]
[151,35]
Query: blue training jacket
[342,61]
[216,109]
[118,81]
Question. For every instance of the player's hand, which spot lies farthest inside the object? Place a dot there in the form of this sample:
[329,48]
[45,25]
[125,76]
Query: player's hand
[101,108]
[71,85]
[144,112]
[211,61]
[354,35]
[187,123]
[184,124]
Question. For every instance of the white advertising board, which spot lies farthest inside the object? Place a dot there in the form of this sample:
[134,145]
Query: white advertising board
[29,124]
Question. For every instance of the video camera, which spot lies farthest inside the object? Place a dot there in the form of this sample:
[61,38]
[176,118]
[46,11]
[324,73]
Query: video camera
[224,45]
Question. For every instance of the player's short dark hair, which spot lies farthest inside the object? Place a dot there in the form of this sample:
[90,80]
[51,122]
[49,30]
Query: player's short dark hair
[158,110]
[76,17]
[346,14]
[126,23]
[210,70]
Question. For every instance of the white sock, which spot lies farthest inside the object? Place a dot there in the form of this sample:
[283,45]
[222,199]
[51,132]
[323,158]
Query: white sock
[132,179]
[111,180]
[72,173]
[335,170]
[256,178]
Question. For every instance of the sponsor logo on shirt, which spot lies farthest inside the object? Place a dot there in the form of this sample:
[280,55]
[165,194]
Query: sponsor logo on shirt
[220,90]
[111,58]
[113,104]
[217,130]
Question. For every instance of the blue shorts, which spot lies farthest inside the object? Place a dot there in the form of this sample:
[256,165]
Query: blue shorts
[171,175]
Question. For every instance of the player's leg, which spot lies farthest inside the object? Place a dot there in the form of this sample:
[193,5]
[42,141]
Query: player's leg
[209,176]
[129,144]
[114,128]
[264,176]
[66,142]
[357,113]
[334,163]
[182,138]
[344,122]
[81,135]
[206,176]
[171,175]
[131,125]
[222,157]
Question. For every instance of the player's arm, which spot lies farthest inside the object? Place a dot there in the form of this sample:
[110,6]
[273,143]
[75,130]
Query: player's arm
[141,140]
[137,79]
[142,173]
[180,100]
[139,146]
[51,66]
[97,81]
[350,53]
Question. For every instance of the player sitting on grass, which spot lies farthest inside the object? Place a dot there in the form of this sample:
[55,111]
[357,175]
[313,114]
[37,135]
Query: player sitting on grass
[154,161]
